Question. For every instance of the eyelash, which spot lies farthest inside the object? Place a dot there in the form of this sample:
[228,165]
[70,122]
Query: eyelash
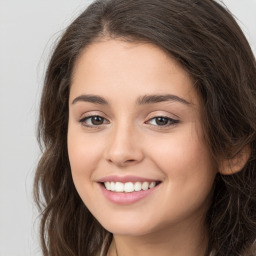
[84,120]
[170,121]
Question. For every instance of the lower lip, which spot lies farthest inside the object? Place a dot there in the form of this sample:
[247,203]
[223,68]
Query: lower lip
[126,198]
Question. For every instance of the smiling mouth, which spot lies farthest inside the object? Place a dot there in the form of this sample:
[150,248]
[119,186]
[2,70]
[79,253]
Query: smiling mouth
[129,187]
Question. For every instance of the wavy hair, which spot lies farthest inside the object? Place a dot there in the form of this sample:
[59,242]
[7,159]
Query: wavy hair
[205,39]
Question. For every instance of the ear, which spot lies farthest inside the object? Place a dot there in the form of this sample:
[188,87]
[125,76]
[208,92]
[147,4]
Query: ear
[233,165]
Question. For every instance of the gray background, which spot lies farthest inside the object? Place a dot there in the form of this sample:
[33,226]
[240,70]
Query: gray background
[28,30]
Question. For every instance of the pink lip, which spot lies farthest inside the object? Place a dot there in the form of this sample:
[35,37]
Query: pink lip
[124,179]
[125,198]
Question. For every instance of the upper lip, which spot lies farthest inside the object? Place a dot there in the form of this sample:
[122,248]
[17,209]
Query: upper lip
[124,179]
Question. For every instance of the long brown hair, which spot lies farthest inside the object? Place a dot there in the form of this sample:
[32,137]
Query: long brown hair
[205,39]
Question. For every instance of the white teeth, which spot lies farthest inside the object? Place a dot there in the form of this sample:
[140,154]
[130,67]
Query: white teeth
[112,186]
[152,184]
[145,185]
[107,185]
[119,187]
[128,186]
[137,186]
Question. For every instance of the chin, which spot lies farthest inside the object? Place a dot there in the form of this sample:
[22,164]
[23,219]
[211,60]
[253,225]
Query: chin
[128,228]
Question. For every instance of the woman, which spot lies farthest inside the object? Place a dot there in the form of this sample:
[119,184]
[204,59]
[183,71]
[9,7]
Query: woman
[148,128]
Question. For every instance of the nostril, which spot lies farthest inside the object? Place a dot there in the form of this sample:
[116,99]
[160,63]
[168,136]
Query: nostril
[131,160]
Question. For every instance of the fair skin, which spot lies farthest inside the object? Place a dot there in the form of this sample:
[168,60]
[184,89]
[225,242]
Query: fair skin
[120,130]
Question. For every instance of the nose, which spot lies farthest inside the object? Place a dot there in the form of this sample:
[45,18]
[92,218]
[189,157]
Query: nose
[124,147]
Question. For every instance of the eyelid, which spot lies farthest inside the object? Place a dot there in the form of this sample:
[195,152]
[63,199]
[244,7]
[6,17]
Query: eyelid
[171,121]
[92,114]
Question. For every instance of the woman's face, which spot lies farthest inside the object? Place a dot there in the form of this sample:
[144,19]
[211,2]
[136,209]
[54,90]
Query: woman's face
[136,147]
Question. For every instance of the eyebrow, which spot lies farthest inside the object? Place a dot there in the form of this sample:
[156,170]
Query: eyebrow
[149,99]
[143,100]
[90,98]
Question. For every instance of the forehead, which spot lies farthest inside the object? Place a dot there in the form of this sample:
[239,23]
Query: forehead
[133,68]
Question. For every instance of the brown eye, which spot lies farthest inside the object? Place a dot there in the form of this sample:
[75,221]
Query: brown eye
[91,121]
[162,121]
[97,120]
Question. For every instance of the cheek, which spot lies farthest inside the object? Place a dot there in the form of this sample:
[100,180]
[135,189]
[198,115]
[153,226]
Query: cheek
[189,170]
[84,153]
[185,152]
